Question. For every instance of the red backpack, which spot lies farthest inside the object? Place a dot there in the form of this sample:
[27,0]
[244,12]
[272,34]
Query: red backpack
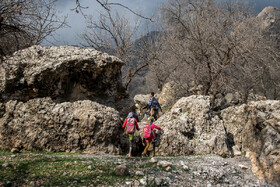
[147,131]
[130,126]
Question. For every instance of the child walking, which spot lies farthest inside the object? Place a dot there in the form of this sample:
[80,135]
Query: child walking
[148,133]
[130,124]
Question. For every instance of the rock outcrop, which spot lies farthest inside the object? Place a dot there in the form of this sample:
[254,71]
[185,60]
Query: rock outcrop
[189,129]
[41,124]
[254,128]
[63,73]
[61,99]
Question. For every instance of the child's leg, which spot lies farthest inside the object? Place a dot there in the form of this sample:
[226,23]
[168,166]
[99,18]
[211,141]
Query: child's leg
[130,146]
[131,138]
[147,146]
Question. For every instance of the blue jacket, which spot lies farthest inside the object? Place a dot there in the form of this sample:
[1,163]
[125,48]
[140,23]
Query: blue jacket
[153,100]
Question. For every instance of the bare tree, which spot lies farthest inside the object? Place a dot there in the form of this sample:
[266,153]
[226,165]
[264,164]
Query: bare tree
[107,5]
[26,22]
[115,34]
[217,45]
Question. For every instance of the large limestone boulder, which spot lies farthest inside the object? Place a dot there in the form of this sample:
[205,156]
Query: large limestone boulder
[64,73]
[42,124]
[255,128]
[60,99]
[189,128]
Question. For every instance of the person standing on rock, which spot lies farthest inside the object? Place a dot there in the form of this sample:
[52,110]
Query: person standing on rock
[149,134]
[154,106]
[130,124]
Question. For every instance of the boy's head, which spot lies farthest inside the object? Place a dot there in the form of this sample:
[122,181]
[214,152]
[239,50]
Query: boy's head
[152,94]
[150,120]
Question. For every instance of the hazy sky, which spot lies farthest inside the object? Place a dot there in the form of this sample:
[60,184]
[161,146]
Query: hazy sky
[69,36]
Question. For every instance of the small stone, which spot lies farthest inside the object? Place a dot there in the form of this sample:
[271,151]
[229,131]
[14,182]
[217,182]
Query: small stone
[5,164]
[182,163]
[243,166]
[168,168]
[176,110]
[13,156]
[128,182]
[164,163]
[185,167]
[91,167]
[136,183]
[64,173]
[139,173]
[32,183]
[122,170]
[153,160]
[158,181]
[143,181]
[236,150]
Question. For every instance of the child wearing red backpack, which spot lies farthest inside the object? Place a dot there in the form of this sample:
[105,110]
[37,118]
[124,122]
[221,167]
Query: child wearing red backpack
[130,124]
[148,133]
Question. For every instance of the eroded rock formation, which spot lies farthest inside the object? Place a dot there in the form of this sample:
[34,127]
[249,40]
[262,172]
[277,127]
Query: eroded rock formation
[63,73]
[41,124]
[60,99]
[189,129]
[254,128]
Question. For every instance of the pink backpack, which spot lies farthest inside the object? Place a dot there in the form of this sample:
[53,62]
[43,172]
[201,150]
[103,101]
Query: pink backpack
[147,131]
[130,126]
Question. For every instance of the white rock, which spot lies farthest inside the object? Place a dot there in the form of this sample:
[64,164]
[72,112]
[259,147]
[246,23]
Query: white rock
[243,166]
[91,167]
[5,164]
[139,173]
[128,182]
[158,181]
[143,181]
[64,173]
[164,163]
[153,160]
[185,167]
[168,168]
[176,110]
[32,183]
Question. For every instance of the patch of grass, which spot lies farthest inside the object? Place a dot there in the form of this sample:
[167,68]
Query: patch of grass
[58,171]
[147,165]
[5,153]
[166,108]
